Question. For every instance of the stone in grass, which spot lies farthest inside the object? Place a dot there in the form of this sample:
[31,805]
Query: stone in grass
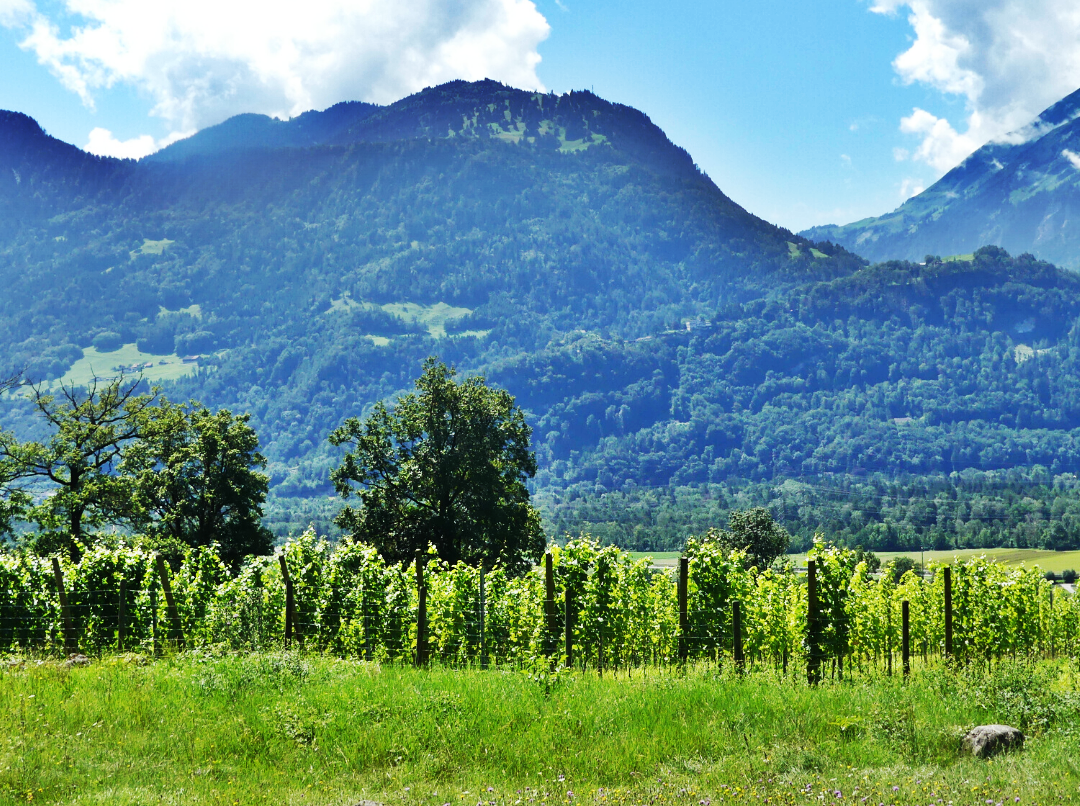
[77,659]
[989,740]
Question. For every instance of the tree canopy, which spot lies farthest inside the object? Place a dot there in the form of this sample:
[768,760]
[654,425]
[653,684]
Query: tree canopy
[196,478]
[445,465]
[756,532]
[90,429]
[171,474]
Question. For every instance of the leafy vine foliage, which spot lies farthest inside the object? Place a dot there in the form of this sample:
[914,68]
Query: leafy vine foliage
[351,602]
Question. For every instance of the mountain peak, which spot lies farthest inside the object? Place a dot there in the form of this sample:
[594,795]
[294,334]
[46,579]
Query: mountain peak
[16,125]
[1020,193]
[487,109]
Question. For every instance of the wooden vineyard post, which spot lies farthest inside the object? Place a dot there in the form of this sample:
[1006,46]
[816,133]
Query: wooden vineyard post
[155,646]
[905,636]
[549,605]
[684,620]
[600,651]
[568,603]
[366,621]
[421,611]
[736,629]
[948,615]
[121,619]
[888,640]
[290,601]
[71,643]
[813,660]
[170,603]
[1050,621]
[483,635]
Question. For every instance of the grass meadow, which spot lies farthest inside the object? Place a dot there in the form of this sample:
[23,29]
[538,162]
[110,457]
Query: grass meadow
[1056,561]
[288,728]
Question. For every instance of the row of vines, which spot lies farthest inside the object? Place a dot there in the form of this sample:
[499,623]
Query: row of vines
[349,602]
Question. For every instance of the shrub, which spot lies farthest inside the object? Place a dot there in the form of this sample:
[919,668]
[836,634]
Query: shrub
[107,341]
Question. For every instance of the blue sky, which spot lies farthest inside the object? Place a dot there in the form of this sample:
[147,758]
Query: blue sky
[804,113]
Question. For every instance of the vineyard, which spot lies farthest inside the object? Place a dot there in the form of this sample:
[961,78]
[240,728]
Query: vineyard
[587,606]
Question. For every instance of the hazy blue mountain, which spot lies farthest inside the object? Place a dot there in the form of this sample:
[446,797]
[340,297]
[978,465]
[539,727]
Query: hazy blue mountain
[660,336]
[250,131]
[1022,194]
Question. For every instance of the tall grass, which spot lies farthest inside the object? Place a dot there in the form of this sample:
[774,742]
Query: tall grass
[287,728]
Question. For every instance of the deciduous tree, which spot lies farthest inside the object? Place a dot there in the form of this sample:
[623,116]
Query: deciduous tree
[196,478]
[76,467]
[446,465]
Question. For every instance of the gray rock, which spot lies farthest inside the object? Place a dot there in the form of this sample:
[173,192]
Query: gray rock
[76,659]
[989,740]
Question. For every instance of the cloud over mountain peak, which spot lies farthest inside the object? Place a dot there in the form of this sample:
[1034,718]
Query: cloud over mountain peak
[201,61]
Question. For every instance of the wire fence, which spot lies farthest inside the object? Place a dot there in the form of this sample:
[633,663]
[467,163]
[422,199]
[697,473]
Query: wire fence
[586,607]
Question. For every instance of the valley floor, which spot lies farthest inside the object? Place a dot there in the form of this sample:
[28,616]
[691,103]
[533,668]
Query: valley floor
[285,728]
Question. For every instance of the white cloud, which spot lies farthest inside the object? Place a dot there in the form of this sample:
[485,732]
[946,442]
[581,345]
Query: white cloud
[942,147]
[15,12]
[845,160]
[203,60]
[911,187]
[900,154]
[1072,157]
[104,144]
[1007,60]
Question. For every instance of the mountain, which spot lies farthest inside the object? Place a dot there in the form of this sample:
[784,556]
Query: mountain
[675,354]
[1022,193]
[250,131]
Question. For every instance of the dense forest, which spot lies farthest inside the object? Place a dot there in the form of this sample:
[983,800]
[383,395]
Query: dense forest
[676,355]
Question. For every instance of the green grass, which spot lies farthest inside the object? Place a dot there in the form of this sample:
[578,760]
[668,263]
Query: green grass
[661,559]
[1056,561]
[150,247]
[433,317]
[283,728]
[102,365]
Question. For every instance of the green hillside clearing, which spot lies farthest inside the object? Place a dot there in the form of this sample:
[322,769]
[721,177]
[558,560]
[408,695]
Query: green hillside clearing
[95,364]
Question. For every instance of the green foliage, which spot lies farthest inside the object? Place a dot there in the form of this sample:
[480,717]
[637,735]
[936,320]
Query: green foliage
[90,430]
[445,465]
[196,478]
[352,603]
[755,533]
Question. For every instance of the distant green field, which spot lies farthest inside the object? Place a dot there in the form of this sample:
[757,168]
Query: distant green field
[95,364]
[661,559]
[153,247]
[433,317]
[1056,561]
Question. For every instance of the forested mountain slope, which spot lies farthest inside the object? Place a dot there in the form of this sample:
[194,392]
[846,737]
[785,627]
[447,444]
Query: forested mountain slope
[659,336]
[1022,193]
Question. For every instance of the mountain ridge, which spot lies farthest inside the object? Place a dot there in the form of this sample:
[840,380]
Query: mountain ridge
[1021,193]
[659,335]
